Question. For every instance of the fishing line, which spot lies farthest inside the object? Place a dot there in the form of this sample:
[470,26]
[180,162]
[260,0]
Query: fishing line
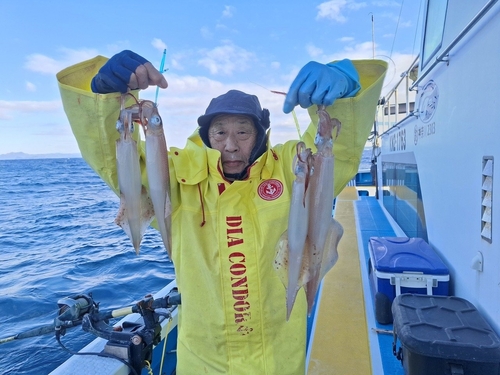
[295,119]
[389,81]
[297,126]
[294,114]
[397,26]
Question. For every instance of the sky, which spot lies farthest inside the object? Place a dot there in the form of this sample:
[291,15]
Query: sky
[212,46]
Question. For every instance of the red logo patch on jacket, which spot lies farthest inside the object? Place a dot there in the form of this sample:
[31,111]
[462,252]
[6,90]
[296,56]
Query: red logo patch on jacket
[270,190]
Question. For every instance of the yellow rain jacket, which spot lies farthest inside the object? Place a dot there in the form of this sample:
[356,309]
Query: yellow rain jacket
[233,314]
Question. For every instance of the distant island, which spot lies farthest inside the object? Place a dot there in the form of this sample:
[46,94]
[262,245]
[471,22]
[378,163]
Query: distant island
[22,155]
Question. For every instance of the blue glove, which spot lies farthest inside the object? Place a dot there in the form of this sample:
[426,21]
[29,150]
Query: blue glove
[114,76]
[322,84]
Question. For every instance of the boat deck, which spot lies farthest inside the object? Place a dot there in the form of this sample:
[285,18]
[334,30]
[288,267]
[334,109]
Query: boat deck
[351,341]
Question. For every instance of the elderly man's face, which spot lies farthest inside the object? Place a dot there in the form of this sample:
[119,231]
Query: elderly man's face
[234,136]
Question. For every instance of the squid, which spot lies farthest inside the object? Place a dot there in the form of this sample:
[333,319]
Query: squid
[323,231]
[293,240]
[307,250]
[157,169]
[136,209]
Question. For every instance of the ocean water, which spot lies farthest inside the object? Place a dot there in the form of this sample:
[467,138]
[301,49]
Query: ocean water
[58,238]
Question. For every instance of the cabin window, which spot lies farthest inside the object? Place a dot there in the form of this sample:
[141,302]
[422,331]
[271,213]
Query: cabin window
[433,29]
[486,198]
[402,196]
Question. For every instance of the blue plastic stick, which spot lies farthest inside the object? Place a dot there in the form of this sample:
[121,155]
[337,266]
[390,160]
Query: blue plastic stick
[162,64]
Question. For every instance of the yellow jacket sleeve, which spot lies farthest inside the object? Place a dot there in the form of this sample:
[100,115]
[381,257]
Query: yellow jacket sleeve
[92,117]
[357,115]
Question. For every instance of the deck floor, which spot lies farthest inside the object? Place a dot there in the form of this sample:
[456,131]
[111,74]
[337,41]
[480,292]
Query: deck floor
[342,347]
[349,343]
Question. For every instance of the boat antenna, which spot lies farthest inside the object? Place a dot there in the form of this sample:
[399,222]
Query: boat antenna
[373,36]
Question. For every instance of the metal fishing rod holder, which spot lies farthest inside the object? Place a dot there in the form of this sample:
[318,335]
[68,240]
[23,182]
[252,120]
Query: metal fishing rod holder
[132,342]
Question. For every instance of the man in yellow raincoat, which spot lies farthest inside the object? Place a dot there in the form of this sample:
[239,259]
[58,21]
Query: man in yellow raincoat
[230,194]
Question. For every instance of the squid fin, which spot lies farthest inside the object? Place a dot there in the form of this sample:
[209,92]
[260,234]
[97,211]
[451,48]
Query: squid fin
[281,265]
[329,258]
[147,214]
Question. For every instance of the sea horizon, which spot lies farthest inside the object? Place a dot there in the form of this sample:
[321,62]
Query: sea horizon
[25,156]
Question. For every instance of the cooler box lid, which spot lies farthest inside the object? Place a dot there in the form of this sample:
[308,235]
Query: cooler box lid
[403,254]
[444,327]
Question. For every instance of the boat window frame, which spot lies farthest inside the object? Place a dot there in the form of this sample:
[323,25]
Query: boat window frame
[434,29]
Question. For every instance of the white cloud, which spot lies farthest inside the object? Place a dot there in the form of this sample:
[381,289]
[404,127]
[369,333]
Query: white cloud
[228,11]
[386,3]
[175,64]
[47,65]
[226,59]
[334,9]
[314,51]
[355,6]
[10,109]
[116,47]
[356,51]
[346,39]
[406,24]
[177,59]
[275,65]
[206,33]
[221,27]
[30,86]
[43,64]
[158,44]
[362,50]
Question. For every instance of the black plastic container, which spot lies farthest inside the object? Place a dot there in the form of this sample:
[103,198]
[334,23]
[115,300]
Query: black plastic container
[443,335]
